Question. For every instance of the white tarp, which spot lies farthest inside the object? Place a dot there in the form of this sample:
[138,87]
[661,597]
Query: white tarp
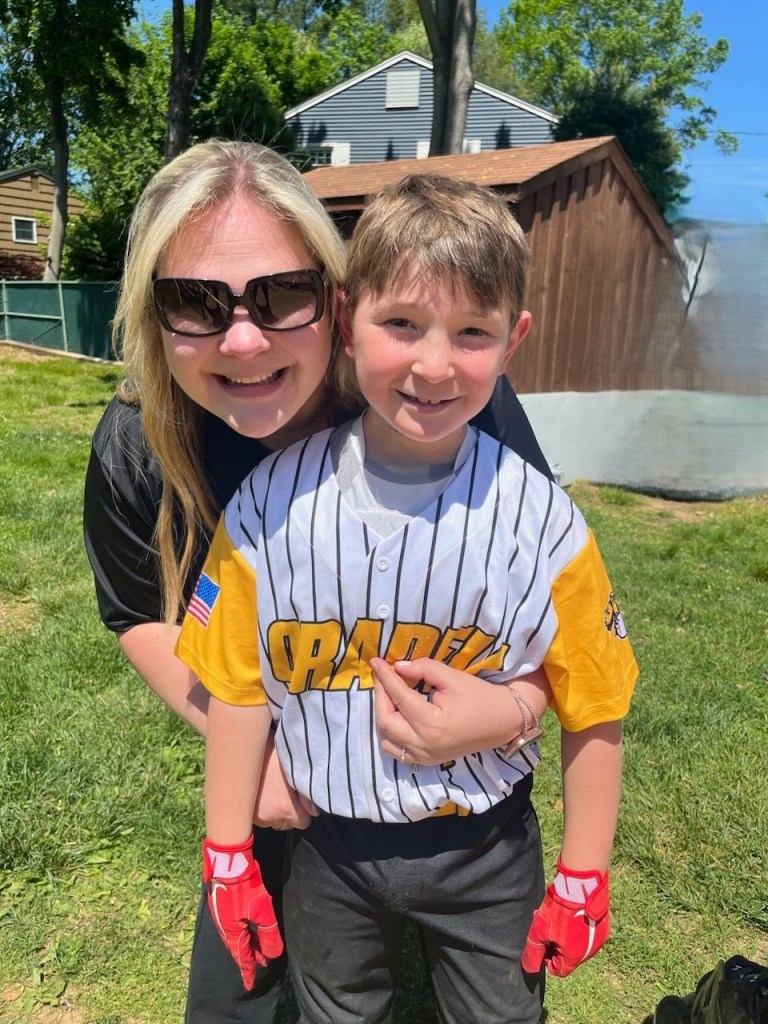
[682,444]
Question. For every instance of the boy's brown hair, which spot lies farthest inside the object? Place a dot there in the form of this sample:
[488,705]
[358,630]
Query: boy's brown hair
[449,229]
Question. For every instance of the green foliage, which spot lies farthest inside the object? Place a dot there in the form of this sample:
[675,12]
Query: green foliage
[67,50]
[115,153]
[236,95]
[100,786]
[51,36]
[609,105]
[556,46]
[353,44]
[25,137]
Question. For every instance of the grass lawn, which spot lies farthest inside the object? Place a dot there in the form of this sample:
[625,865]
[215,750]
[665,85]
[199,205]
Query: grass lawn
[101,788]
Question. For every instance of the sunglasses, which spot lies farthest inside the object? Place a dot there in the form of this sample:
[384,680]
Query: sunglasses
[277,302]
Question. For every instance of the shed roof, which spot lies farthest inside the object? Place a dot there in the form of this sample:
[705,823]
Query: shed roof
[522,170]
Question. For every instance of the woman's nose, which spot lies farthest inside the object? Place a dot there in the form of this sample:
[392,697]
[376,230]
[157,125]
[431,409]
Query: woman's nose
[243,336]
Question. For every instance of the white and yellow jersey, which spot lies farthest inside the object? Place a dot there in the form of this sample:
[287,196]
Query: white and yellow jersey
[498,576]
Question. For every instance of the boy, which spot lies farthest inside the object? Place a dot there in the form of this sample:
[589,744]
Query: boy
[404,536]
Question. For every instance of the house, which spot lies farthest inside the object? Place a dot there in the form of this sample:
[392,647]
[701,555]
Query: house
[26,207]
[385,113]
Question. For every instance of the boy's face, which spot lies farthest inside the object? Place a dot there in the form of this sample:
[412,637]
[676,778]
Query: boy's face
[427,358]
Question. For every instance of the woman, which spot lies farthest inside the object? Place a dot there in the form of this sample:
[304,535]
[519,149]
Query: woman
[226,327]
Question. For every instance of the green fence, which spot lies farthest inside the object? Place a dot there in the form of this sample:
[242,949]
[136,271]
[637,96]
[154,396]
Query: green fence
[67,316]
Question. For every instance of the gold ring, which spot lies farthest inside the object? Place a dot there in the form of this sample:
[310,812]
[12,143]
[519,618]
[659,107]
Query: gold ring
[402,755]
[284,826]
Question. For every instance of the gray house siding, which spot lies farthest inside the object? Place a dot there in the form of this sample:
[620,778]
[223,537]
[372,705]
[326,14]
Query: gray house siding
[359,116]
[501,126]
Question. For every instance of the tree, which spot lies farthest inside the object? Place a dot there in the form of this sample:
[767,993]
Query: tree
[185,69]
[24,134]
[450,27]
[609,105]
[68,46]
[115,153]
[558,46]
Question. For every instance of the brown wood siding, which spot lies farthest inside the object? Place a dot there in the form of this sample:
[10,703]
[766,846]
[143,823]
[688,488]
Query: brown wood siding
[605,293]
[29,196]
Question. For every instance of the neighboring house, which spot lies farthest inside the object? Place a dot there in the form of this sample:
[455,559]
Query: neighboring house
[26,208]
[385,113]
[607,286]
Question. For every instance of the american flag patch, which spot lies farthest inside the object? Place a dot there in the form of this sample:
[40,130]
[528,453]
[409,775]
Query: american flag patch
[203,599]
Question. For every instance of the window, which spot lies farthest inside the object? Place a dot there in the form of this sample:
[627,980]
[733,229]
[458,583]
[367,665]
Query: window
[320,155]
[24,229]
[330,154]
[470,146]
[403,88]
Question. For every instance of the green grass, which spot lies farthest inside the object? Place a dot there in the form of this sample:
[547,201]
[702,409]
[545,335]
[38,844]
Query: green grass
[100,787]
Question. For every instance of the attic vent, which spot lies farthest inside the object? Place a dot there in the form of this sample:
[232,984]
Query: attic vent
[403,88]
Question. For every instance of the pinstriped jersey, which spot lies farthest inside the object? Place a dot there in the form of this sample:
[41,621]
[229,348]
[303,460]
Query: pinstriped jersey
[498,576]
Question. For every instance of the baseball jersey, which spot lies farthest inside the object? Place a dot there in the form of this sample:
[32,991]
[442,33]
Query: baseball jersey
[498,576]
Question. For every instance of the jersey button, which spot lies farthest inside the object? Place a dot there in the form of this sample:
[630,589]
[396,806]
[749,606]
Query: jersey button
[388,794]
[382,564]
[382,611]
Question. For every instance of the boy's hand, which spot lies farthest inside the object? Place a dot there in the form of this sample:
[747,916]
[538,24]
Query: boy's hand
[571,924]
[241,907]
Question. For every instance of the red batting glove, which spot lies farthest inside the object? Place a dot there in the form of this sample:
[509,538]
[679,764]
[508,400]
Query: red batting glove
[241,907]
[566,932]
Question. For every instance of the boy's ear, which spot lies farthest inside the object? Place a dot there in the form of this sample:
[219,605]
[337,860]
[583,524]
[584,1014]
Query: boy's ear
[517,334]
[341,313]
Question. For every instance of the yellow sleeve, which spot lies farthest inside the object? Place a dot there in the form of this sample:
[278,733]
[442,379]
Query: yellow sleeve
[219,637]
[590,664]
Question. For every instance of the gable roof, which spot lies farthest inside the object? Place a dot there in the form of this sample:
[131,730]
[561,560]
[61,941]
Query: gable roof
[22,172]
[519,171]
[422,62]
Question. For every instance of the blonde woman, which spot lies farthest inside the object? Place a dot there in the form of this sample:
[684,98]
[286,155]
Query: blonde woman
[225,321]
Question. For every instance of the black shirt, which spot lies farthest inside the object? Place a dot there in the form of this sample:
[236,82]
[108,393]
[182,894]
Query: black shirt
[123,488]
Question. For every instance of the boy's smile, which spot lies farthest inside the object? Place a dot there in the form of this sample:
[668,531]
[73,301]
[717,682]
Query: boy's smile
[427,357]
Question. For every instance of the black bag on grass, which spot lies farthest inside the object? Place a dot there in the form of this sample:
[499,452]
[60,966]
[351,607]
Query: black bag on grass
[736,992]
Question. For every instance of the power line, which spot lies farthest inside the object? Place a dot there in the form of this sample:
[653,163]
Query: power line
[709,134]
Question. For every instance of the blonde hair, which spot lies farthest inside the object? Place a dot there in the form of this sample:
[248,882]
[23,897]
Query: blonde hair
[450,231]
[200,179]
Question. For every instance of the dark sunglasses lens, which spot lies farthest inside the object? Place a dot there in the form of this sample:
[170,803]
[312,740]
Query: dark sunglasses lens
[286,301]
[192,307]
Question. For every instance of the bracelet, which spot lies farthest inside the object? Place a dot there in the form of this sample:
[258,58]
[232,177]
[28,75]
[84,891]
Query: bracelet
[531,728]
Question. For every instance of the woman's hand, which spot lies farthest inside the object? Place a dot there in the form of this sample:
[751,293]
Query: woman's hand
[277,805]
[464,714]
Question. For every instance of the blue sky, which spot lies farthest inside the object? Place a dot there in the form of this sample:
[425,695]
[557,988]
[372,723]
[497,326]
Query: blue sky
[730,188]
[733,188]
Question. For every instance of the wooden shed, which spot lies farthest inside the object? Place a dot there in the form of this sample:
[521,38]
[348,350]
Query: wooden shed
[607,288]
[26,208]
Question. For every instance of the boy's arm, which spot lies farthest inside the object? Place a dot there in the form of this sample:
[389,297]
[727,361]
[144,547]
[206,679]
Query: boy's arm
[592,766]
[241,907]
[236,739]
[573,922]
